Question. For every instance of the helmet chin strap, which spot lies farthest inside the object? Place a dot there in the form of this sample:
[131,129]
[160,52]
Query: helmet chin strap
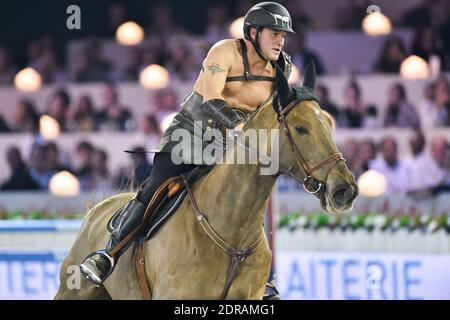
[255,44]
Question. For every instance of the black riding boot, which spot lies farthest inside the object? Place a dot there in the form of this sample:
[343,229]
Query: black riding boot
[99,264]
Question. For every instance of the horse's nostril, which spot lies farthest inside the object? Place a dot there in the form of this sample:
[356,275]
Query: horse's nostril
[342,195]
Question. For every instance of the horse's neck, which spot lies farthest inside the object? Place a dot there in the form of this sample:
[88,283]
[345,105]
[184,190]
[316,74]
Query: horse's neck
[237,195]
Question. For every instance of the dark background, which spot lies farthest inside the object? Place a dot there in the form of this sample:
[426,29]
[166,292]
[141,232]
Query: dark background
[24,21]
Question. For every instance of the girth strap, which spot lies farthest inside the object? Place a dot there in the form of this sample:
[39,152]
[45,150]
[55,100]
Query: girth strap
[140,270]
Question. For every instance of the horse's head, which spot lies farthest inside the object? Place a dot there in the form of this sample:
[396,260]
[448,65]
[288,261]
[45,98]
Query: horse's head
[307,150]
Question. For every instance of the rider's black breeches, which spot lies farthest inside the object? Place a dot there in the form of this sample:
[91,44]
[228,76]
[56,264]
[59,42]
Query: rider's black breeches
[163,169]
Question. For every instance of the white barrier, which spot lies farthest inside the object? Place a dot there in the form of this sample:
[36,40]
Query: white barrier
[354,275]
[31,253]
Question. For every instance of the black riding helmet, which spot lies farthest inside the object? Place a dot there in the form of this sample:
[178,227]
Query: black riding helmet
[270,15]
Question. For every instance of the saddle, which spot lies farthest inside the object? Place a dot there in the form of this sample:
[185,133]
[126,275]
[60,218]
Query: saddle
[163,204]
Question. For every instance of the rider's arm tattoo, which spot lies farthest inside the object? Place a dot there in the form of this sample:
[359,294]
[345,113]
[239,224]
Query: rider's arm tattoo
[215,68]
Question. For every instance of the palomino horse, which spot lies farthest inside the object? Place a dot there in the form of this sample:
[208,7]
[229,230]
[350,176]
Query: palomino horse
[183,261]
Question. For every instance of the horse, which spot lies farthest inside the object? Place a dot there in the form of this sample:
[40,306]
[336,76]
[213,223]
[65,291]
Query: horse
[184,261]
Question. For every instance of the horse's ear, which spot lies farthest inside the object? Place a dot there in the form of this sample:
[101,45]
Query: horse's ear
[285,92]
[310,75]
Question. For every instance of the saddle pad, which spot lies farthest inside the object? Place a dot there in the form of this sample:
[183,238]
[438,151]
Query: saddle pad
[158,220]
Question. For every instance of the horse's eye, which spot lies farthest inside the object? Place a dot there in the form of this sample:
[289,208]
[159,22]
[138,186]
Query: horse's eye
[301,130]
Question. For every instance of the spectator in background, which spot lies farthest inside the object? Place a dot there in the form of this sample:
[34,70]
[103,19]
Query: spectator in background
[391,56]
[34,49]
[91,65]
[113,116]
[134,65]
[427,110]
[217,24]
[49,68]
[350,152]
[54,157]
[393,168]
[182,62]
[399,111]
[352,114]
[165,102]
[7,70]
[83,116]
[370,119]
[325,102]
[100,178]
[425,44]
[40,167]
[436,106]
[149,126]
[58,108]
[20,178]
[444,186]
[300,54]
[26,118]
[423,171]
[440,155]
[367,152]
[441,101]
[155,52]
[84,154]
[438,145]
[43,58]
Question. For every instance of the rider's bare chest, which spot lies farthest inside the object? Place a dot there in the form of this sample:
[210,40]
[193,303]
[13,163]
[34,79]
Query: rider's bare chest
[248,94]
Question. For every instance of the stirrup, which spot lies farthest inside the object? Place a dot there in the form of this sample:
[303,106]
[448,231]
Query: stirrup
[271,292]
[90,274]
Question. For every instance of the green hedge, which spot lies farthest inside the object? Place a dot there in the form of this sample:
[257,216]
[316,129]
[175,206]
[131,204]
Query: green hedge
[38,215]
[366,221]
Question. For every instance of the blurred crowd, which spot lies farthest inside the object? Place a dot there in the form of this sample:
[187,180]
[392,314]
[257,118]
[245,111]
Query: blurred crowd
[34,168]
[419,174]
[430,21]
[87,162]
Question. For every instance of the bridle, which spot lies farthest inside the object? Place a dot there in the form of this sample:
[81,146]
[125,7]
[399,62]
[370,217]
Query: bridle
[310,183]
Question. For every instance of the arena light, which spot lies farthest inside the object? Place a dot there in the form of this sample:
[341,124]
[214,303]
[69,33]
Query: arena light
[154,77]
[167,121]
[295,75]
[129,34]
[372,184]
[237,28]
[48,127]
[376,24]
[64,184]
[28,80]
[414,67]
